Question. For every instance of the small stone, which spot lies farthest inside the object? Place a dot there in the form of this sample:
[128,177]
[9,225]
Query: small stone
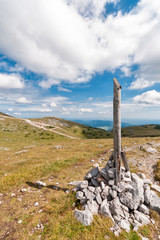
[20,221]
[142,208]
[113,193]
[67,191]
[156,187]
[102,185]
[91,189]
[97,190]
[98,199]
[74,183]
[36,204]
[147,194]
[104,174]
[94,182]
[93,173]
[115,188]
[83,184]
[93,206]
[124,224]
[23,190]
[110,163]
[126,179]
[79,195]
[13,194]
[127,174]
[147,181]
[89,195]
[141,175]
[85,217]
[96,165]
[111,173]
[111,182]
[40,183]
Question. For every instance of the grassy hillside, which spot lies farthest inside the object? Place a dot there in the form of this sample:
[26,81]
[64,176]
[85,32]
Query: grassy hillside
[29,154]
[73,128]
[152,130]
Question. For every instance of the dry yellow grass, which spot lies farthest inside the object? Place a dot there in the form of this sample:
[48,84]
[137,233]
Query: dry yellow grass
[32,158]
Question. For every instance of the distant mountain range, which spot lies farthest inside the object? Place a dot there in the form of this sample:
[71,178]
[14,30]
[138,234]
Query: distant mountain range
[108,125]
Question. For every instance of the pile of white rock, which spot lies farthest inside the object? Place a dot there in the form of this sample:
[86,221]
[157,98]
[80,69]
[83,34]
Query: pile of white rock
[126,204]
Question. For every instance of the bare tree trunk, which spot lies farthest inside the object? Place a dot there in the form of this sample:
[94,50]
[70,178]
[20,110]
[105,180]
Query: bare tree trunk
[117,129]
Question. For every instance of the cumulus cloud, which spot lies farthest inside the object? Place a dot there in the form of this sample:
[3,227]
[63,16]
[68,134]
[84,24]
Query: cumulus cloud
[23,100]
[11,81]
[83,110]
[149,97]
[71,40]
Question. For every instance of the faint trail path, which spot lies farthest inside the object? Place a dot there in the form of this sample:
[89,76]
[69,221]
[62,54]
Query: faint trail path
[44,125]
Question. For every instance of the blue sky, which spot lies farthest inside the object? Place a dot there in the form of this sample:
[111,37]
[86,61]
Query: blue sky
[61,60]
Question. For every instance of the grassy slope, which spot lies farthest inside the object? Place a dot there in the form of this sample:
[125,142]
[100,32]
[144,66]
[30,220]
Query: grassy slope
[73,128]
[29,154]
[141,131]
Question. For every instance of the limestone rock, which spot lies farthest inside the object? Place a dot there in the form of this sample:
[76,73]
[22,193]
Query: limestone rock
[147,194]
[93,173]
[155,202]
[79,195]
[98,199]
[92,206]
[111,182]
[139,191]
[124,224]
[85,217]
[83,184]
[97,190]
[142,208]
[104,174]
[111,173]
[89,195]
[91,189]
[94,182]
[147,181]
[127,174]
[141,217]
[156,187]
[74,183]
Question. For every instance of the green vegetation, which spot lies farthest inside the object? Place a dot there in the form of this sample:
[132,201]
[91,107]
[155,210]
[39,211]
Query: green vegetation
[29,154]
[141,131]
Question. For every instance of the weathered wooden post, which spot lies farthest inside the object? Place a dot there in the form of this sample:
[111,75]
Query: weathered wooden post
[117,129]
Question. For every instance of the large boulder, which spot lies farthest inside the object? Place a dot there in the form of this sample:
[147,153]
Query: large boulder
[85,217]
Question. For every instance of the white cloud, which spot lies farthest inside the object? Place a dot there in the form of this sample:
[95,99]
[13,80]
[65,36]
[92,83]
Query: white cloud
[10,109]
[53,104]
[37,109]
[90,8]
[70,40]
[90,98]
[149,97]
[11,81]
[22,100]
[141,83]
[83,110]
[17,113]
[62,89]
